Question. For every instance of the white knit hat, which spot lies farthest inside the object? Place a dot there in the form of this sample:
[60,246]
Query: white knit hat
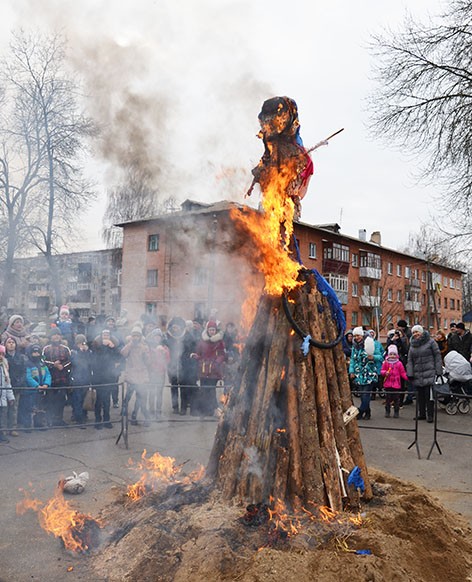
[358,331]
[417,327]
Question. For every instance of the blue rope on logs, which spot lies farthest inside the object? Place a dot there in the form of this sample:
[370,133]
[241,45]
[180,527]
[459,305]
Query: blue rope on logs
[336,310]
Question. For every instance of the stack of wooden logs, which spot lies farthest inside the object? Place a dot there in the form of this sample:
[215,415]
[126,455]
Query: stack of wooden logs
[283,433]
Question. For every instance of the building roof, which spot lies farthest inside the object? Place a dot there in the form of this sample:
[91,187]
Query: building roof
[193,207]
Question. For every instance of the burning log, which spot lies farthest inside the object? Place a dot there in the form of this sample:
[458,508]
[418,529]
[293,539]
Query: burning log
[283,434]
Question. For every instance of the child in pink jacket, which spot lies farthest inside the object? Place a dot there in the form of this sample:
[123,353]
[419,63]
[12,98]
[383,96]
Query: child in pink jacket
[392,371]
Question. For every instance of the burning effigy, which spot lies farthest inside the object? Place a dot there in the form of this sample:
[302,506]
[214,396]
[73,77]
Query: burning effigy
[284,433]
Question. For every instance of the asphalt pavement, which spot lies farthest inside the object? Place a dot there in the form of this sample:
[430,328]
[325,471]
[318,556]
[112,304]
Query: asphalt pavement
[35,462]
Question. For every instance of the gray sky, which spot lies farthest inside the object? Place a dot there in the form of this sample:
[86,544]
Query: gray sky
[182,81]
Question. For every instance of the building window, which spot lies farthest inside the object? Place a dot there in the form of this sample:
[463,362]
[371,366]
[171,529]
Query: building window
[445,324]
[452,304]
[407,272]
[445,281]
[371,260]
[458,284]
[312,250]
[201,276]
[336,252]
[355,260]
[366,318]
[399,270]
[366,290]
[423,276]
[451,283]
[153,242]
[439,301]
[399,296]
[199,311]
[152,278]
[389,295]
[151,308]
[354,319]
[458,305]
[355,289]
[390,268]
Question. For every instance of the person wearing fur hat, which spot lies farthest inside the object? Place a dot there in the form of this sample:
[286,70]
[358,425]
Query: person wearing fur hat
[362,371]
[16,329]
[182,370]
[393,372]
[211,356]
[7,398]
[424,364]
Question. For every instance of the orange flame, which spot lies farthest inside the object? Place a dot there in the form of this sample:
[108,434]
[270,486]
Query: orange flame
[157,470]
[271,231]
[58,518]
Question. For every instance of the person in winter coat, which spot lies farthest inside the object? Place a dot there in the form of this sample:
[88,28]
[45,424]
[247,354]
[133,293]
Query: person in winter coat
[363,372]
[379,353]
[159,358]
[81,377]
[38,377]
[211,356]
[16,329]
[392,371]
[347,344]
[137,356]
[441,340]
[17,369]
[7,398]
[106,362]
[461,341]
[182,369]
[66,326]
[57,358]
[424,364]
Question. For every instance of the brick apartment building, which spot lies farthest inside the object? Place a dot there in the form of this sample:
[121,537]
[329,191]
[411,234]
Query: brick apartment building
[189,262]
[90,283]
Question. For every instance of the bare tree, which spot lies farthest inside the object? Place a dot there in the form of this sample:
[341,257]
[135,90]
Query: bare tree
[52,131]
[133,199]
[424,100]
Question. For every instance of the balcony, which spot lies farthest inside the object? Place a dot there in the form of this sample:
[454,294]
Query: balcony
[412,306]
[370,273]
[415,283]
[342,296]
[335,266]
[369,301]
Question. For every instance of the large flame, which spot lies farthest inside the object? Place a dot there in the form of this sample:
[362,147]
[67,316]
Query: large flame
[157,470]
[58,518]
[272,229]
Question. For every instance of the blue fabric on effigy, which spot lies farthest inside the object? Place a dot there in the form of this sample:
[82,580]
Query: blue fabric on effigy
[355,478]
[306,345]
[363,552]
[325,289]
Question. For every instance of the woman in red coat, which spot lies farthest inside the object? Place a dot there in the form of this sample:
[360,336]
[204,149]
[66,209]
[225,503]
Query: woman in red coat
[211,356]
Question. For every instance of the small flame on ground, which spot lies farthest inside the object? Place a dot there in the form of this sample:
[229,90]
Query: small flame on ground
[58,518]
[157,470]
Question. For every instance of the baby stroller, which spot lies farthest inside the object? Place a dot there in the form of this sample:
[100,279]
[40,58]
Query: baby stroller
[459,373]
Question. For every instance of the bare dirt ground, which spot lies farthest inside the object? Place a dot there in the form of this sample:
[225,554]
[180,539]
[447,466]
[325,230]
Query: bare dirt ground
[410,537]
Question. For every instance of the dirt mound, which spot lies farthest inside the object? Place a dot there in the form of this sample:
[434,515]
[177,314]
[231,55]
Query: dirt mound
[410,537]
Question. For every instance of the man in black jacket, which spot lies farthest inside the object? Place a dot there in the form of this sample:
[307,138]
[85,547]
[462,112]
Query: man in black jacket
[461,341]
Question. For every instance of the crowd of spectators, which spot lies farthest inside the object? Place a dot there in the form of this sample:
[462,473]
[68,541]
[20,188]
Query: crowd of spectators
[46,367]
[406,367]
